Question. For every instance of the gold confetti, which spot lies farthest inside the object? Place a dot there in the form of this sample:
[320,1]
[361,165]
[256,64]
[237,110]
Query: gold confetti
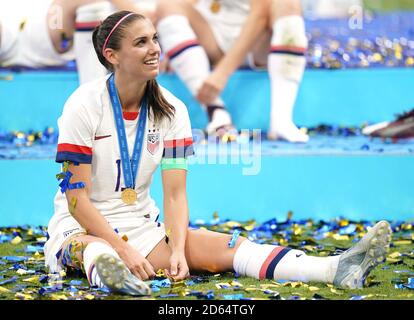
[270,285]
[89,296]
[55,296]
[32,279]
[3,289]
[311,288]
[72,206]
[335,291]
[394,255]
[253,289]
[236,284]
[340,237]
[402,242]
[125,237]
[21,272]
[23,296]
[41,239]
[16,240]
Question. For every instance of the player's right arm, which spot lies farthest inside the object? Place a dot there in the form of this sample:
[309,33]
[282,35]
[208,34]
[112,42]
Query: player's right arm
[77,127]
[86,214]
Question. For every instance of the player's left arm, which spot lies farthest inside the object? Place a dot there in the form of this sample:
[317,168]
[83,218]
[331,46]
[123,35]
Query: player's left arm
[176,219]
[253,27]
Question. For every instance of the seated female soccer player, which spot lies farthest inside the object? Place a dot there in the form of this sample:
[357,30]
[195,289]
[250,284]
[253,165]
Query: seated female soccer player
[113,134]
[50,33]
[224,35]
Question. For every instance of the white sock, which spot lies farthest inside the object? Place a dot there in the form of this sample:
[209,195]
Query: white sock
[87,18]
[91,252]
[286,65]
[280,263]
[187,57]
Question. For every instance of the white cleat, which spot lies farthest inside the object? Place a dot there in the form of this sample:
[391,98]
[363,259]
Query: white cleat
[356,263]
[115,275]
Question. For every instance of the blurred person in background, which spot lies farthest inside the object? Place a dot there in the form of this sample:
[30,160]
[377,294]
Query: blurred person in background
[49,33]
[226,35]
[319,9]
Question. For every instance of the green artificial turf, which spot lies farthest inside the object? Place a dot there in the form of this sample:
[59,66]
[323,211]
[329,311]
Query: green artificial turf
[389,5]
[381,284]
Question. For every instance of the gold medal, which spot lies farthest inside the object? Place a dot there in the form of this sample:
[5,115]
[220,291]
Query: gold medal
[215,6]
[129,196]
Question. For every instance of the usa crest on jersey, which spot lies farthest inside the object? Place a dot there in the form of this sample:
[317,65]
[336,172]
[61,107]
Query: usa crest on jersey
[153,142]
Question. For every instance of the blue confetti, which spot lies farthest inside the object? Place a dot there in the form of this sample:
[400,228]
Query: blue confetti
[234,237]
[15,258]
[169,295]
[65,183]
[12,279]
[33,249]
[233,296]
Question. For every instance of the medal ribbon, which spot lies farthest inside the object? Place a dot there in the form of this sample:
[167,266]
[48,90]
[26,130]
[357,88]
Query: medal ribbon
[129,166]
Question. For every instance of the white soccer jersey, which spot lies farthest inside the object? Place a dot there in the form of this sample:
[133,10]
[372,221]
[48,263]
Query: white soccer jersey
[87,134]
[25,31]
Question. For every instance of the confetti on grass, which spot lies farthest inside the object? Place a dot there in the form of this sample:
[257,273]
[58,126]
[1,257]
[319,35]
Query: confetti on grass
[23,275]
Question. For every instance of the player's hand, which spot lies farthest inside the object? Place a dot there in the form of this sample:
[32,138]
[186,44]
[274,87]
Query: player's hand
[165,65]
[178,267]
[136,263]
[211,88]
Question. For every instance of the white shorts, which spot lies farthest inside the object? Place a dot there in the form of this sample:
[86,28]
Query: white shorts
[32,46]
[143,234]
[226,25]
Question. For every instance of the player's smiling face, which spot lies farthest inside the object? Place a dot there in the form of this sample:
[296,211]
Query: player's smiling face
[140,51]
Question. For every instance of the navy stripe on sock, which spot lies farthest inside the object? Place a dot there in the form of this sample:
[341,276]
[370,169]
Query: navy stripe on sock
[183,49]
[272,266]
[299,54]
[84,29]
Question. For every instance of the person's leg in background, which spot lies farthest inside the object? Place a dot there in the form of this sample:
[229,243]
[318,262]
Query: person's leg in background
[286,65]
[79,18]
[189,43]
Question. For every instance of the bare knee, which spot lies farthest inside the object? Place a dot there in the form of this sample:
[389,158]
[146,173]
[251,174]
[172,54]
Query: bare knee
[84,240]
[282,8]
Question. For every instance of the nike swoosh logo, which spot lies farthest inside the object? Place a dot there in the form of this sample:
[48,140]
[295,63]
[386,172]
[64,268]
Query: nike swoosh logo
[299,255]
[102,137]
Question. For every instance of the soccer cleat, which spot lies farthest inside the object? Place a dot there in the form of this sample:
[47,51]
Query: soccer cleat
[401,128]
[356,263]
[115,275]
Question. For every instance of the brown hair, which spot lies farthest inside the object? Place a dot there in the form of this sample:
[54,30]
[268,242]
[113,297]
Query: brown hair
[157,103]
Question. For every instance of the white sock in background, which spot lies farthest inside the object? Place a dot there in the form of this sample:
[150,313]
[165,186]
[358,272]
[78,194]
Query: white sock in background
[281,263]
[286,65]
[91,252]
[87,18]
